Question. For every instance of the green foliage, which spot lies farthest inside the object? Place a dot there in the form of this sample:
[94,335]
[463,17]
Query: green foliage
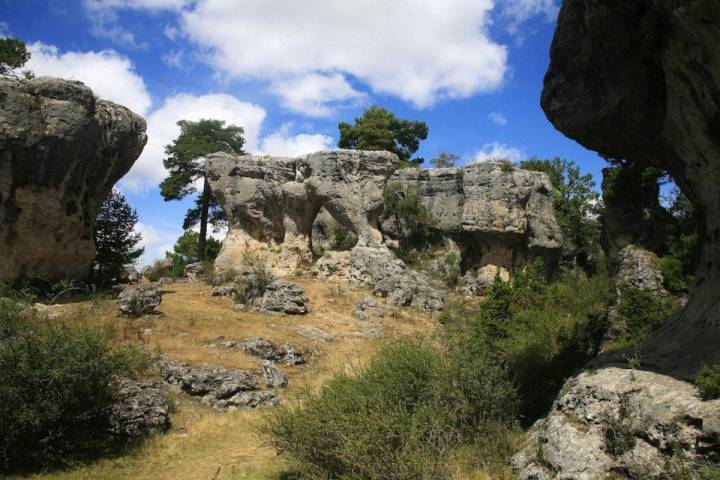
[708,381]
[184,163]
[684,247]
[399,417]
[57,384]
[379,129]
[618,436]
[444,160]
[254,280]
[343,239]
[185,251]
[541,332]
[115,239]
[642,311]
[13,54]
[577,207]
[413,222]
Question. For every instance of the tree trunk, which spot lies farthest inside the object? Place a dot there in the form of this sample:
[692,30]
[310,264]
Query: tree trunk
[204,207]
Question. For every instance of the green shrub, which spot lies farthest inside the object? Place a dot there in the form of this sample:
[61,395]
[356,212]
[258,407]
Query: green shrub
[254,279]
[642,311]
[541,332]
[158,270]
[398,417]
[708,381]
[343,239]
[57,385]
[413,222]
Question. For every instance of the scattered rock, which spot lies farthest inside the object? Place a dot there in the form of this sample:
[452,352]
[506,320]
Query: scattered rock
[476,283]
[165,281]
[314,333]
[224,291]
[62,151]
[333,265]
[141,409]
[389,276]
[137,300]
[267,350]
[194,271]
[272,375]
[283,297]
[131,275]
[620,420]
[366,308]
[221,388]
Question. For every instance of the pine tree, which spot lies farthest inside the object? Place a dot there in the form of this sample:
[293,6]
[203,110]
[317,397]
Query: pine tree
[115,239]
[185,162]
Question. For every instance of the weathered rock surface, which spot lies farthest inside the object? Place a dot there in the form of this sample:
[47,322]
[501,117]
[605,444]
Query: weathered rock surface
[194,271]
[273,201]
[495,213]
[219,387]
[223,291]
[640,81]
[137,300]
[477,282]
[61,152]
[389,277]
[272,375]
[366,308]
[267,350]
[624,422]
[283,297]
[140,409]
[639,268]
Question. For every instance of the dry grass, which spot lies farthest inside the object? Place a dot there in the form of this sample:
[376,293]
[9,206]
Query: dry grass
[205,444]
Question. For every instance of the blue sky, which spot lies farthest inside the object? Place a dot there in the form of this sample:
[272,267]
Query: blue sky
[289,70]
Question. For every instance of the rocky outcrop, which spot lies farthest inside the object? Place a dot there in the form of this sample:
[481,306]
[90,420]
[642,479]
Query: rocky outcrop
[61,152]
[496,214]
[141,299]
[639,268]
[283,297]
[140,409]
[219,387]
[267,350]
[277,206]
[641,81]
[628,423]
[477,282]
[366,308]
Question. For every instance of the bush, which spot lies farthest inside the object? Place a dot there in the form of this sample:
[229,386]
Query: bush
[708,381]
[398,417]
[343,239]
[254,279]
[642,311]
[541,332]
[413,222]
[57,385]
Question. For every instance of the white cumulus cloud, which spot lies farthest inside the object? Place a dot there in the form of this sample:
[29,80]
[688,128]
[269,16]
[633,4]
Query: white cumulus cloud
[516,12]
[148,171]
[110,75]
[497,151]
[156,241]
[315,94]
[498,119]
[283,144]
[418,50]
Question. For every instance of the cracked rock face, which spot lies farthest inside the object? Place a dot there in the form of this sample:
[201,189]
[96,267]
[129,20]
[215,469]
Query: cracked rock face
[497,214]
[639,424]
[61,152]
[640,80]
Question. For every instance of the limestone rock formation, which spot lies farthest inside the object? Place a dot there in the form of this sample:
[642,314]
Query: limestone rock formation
[639,268]
[267,350]
[219,387]
[495,213]
[61,152]
[140,299]
[366,308]
[277,206]
[640,81]
[477,282]
[272,375]
[283,297]
[140,409]
[274,201]
[618,421]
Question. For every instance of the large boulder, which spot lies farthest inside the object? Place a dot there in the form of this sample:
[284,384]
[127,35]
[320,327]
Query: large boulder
[140,299]
[621,421]
[640,80]
[140,409]
[61,152]
[497,214]
[639,268]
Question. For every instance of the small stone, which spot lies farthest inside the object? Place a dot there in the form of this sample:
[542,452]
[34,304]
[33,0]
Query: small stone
[137,300]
